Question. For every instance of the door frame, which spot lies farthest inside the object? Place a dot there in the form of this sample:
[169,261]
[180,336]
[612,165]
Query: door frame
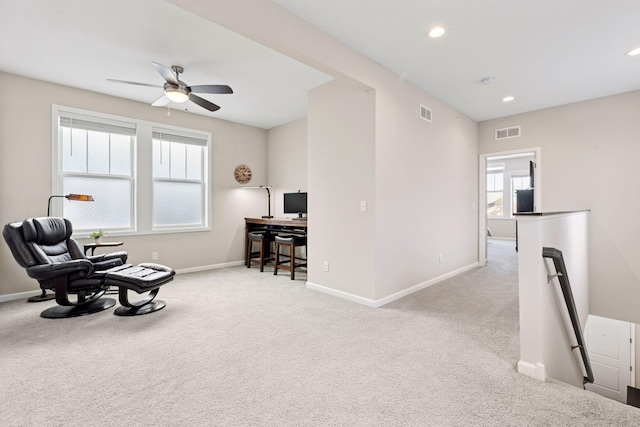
[482,196]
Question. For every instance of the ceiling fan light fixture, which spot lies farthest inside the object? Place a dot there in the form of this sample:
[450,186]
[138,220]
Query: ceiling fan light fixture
[175,94]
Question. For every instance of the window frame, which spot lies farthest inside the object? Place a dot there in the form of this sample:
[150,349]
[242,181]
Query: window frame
[494,169]
[142,203]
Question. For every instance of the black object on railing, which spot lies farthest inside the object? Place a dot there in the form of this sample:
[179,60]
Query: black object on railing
[563,277]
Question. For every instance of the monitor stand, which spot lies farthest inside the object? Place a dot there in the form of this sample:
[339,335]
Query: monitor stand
[300,217]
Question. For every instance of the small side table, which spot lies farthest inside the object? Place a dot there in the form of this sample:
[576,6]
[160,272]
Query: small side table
[93,246]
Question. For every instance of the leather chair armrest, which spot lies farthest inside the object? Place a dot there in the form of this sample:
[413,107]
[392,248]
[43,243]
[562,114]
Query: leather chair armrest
[50,271]
[122,255]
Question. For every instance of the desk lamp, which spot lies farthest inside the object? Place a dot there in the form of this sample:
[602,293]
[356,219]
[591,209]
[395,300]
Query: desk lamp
[266,187]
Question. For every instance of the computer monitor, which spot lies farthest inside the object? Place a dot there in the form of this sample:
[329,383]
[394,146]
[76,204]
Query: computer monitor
[295,203]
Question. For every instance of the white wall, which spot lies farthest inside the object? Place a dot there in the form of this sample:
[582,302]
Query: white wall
[426,189]
[422,191]
[286,162]
[590,155]
[25,175]
[341,174]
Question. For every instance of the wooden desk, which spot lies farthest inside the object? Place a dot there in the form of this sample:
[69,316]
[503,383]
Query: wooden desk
[274,225]
[93,246]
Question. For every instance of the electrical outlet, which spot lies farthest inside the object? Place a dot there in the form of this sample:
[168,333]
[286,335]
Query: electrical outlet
[326,266]
[441,259]
[154,256]
[363,205]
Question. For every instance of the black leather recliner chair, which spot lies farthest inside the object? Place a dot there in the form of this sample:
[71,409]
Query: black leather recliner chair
[44,247]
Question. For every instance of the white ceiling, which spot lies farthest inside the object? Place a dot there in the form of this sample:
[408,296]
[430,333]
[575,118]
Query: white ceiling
[83,43]
[543,52]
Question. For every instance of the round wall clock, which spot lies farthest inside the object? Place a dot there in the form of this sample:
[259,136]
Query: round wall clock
[242,174]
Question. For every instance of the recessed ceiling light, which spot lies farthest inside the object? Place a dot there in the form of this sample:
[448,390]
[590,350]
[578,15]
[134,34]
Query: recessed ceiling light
[436,32]
[508,99]
[634,52]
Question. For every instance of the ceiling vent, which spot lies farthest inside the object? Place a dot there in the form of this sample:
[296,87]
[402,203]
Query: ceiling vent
[510,132]
[425,113]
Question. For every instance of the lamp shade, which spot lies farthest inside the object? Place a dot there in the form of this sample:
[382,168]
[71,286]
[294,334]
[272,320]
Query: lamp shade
[79,197]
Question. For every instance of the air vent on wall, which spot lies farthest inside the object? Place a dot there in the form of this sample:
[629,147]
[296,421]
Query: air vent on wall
[510,132]
[425,113]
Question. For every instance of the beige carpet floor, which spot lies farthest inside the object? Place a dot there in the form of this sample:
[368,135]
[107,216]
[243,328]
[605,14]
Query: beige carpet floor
[235,347]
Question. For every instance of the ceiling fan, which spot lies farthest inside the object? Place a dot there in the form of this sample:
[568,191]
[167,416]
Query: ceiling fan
[178,91]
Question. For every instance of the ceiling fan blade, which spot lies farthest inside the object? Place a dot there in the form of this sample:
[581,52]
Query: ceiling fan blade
[203,102]
[132,83]
[211,89]
[166,73]
[161,102]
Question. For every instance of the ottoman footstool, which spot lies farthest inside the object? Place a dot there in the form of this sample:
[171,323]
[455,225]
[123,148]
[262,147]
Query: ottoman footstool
[146,277]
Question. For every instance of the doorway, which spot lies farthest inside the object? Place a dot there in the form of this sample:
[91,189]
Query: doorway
[503,180]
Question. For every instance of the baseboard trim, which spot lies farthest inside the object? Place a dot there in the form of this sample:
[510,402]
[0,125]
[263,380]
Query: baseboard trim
[19,295]
[386,300]
[344,295]
[420,286]
[209,267]
[537,370]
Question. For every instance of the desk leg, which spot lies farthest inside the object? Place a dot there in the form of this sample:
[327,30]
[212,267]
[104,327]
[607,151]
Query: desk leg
[246,246]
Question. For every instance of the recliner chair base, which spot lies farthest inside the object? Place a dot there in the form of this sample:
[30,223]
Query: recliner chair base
[63,311]
[147,308]
[44,296]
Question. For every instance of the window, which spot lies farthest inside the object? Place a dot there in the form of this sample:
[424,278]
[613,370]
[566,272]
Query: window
[143,177]
[178,179]
[495,186]
[518,182]
[97,160]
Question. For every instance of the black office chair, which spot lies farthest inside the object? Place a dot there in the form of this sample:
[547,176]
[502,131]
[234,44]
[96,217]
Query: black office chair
[44,247]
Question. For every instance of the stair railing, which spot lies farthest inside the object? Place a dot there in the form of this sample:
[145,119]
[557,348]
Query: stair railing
[561,273]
